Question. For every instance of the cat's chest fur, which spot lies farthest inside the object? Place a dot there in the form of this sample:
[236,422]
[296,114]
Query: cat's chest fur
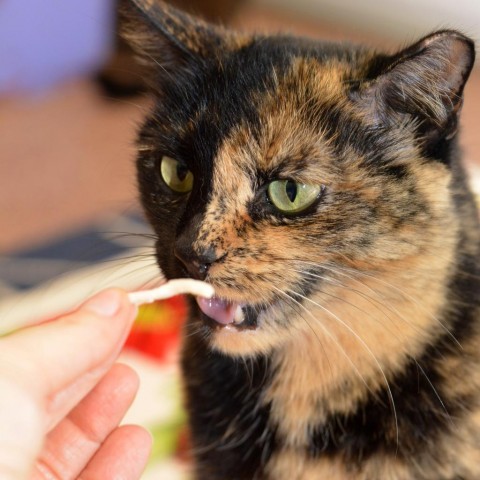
[279,420]
[318,406]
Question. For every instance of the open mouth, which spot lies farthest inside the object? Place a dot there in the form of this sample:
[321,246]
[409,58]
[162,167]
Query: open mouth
[221,313]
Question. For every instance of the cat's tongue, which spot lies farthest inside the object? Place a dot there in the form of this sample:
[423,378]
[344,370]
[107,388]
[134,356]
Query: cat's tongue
[222,311]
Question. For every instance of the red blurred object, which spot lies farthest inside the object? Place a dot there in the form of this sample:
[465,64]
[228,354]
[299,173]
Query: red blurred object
[184,448]
[156,331]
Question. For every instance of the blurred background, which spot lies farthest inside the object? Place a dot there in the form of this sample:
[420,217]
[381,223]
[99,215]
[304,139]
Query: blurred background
[70,95]
[71,99]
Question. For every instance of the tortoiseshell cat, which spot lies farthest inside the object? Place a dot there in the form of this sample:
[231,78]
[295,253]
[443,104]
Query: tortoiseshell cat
[318,187]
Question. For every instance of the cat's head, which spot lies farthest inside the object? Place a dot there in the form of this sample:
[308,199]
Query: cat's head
[284,170]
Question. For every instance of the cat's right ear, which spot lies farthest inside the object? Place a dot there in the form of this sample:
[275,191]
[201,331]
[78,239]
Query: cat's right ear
[169,41]
[424,82]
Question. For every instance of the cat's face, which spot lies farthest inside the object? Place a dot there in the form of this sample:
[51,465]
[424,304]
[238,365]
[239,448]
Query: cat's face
[281,172]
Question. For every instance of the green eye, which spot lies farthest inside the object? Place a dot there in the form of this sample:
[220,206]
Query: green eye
[292,197]
[176,175]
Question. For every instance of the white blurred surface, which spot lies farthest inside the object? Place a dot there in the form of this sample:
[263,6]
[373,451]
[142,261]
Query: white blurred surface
[404,20]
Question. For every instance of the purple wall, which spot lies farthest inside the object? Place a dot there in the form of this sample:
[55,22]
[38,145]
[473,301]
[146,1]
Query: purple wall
[43,42]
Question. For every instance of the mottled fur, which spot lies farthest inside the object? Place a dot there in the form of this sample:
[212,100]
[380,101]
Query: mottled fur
[359,359]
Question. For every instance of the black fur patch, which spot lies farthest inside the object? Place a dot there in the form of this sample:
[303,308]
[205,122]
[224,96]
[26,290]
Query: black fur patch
[228,424]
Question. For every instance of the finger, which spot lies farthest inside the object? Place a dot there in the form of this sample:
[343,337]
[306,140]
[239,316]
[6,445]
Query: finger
[21,431]
[58,405]
[124,455]
[46,358]
[71,445]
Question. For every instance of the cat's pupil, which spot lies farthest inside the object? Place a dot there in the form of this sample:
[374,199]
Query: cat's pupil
[182,172]
[291,190]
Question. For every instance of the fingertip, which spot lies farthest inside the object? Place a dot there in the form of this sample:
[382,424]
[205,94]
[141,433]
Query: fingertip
[126,375]
[110,303]
[104,304]
[141,441]
[141,434]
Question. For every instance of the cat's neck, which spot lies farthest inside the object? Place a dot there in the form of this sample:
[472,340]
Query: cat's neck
[350,348]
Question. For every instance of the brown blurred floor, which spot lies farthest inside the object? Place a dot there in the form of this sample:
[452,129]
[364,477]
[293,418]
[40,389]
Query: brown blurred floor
[67,158]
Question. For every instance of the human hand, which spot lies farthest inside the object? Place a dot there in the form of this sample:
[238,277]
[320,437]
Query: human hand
[62,397]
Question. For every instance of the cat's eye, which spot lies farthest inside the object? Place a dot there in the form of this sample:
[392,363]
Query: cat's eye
[176,175]
[290,197]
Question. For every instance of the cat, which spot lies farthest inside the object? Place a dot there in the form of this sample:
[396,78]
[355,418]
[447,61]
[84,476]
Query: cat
[319,188]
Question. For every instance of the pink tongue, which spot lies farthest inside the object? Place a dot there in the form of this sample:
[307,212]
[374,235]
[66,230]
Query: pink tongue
[220,310]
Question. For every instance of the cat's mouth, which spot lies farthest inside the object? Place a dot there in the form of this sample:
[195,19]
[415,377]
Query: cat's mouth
[222,313]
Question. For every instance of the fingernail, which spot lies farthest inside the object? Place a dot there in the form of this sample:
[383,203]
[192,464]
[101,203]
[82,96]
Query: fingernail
[105,304]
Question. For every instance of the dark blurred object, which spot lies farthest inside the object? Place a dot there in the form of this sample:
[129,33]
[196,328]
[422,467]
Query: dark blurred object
[213,10]
[122,76]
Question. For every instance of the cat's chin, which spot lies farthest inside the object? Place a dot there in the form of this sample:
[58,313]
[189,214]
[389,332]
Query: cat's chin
[237,329]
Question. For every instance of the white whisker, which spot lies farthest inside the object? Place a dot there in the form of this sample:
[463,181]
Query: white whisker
[367,348]
[326,331]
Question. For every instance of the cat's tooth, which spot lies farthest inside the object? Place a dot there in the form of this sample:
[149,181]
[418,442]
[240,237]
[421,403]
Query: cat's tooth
[238,316]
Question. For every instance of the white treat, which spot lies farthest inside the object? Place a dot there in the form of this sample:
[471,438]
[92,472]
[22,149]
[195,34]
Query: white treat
[239,316]
[172,288]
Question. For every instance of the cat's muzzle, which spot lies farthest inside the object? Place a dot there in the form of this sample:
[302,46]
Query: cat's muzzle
[221,313]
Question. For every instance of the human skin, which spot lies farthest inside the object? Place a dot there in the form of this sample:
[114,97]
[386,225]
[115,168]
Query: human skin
[63,397]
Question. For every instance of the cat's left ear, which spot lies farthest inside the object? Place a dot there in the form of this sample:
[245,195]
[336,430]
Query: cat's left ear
[171,42]
[425,81]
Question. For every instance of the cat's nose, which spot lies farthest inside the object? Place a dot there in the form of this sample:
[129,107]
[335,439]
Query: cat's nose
[198,262]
